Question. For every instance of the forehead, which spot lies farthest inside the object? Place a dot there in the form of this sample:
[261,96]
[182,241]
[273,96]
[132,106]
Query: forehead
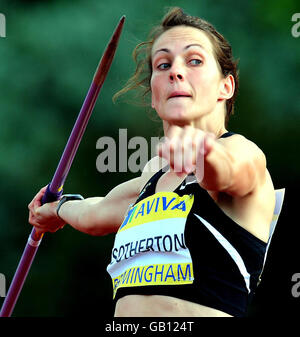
[182,35]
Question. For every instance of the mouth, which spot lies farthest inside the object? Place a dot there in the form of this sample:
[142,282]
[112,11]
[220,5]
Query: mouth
[179,94]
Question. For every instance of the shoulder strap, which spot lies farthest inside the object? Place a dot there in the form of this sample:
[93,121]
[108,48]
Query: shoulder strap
[277,210]
[149,187]
[279,194]
[227,134]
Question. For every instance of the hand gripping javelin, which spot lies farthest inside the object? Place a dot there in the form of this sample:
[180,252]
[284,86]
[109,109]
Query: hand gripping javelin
[55,188]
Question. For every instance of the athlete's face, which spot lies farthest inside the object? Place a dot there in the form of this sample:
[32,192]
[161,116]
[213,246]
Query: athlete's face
[186,80]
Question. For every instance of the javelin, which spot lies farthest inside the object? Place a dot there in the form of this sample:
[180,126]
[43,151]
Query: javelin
[55,188]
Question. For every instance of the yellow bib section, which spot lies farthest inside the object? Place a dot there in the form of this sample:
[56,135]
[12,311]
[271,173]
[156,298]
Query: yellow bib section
[159,274]
[160,206]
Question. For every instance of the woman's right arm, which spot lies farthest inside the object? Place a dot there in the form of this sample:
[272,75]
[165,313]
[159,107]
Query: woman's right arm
[94,216]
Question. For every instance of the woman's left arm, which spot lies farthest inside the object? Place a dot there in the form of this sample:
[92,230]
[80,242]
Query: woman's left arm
[233,165]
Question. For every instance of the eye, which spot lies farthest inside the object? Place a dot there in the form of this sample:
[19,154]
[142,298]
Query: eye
[195,62]
[163,66]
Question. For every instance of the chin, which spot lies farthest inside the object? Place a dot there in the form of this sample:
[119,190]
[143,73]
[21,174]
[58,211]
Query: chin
[179,116]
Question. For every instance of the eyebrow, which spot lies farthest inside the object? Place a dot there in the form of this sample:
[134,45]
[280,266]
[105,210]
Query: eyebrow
[194,44]
[166,50]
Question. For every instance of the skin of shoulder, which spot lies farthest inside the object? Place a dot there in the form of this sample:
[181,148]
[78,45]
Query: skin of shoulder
[248,162]
[250,204]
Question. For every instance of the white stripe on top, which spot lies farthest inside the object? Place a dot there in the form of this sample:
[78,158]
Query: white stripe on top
[230,250]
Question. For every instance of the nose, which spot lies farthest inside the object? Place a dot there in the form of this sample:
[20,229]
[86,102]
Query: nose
[176,72]
[175,76]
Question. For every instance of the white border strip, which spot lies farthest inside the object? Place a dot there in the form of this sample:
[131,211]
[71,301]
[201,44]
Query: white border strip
[230,249]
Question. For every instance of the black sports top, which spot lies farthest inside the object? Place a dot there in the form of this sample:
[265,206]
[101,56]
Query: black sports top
[181,244]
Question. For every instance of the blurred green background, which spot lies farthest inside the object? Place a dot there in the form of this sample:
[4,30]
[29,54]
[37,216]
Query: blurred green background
[47,61]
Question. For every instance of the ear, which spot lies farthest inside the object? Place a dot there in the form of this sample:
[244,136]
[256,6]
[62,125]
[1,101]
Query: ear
[227,87]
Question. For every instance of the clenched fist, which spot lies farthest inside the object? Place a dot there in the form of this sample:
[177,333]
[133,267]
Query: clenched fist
[44,218]
[185,148]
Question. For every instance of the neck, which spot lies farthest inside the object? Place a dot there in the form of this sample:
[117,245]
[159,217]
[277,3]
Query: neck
[213,122]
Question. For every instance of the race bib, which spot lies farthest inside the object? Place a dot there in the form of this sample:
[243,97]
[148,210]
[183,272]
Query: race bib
[149,247]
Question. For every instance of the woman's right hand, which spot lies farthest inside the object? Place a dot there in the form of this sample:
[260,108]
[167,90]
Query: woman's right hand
[44,217]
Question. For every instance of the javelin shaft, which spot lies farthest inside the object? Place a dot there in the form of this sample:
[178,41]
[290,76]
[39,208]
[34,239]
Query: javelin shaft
[20,275]
[85,112]
[54,189]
